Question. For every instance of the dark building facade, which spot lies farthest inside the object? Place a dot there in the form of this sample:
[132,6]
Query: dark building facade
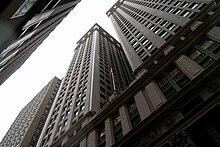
[27,127]
[24,24]
[99,68]
[174,98]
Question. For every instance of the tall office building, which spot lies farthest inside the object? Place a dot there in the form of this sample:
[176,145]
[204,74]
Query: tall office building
[98,69]
[27,127]
[174,98]
[24,24]
[145,26]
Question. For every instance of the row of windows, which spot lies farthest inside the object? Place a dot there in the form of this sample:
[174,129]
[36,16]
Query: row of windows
[161,27]
[205,52]
[116,123]
[173,3]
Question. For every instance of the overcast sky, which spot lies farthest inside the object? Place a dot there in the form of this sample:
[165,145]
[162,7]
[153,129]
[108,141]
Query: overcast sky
[51,58]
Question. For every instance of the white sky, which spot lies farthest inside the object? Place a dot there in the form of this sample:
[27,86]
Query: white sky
[51,58]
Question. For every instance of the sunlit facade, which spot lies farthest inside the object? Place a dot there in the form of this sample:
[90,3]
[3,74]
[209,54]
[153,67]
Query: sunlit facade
[27,127]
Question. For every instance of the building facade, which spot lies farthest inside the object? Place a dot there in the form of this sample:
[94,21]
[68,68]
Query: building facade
[27,127]
[23,27]
[174,98]
[144,27]
[99,68]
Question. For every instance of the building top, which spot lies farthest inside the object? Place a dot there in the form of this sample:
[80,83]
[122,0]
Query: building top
[120,2]
[114,7]
[100,29]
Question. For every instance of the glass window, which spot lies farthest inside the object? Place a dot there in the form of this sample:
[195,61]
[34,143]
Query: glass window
[117,129]
[101,136]
[82,107]
[171,81]
[76,113]
[205,52]
[185,13]
[193,5]
[133,113]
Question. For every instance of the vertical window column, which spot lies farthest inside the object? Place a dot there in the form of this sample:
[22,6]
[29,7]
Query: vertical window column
[101,136]
[117,129]
[133,113]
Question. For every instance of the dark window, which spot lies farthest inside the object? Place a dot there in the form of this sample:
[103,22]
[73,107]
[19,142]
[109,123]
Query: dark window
[205,52]
[133,113]
[117,129]
[101,136]
[171,81]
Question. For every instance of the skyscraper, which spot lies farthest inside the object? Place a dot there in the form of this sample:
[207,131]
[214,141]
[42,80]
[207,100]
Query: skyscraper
[144,27]
[174,98]
[27,127]
[23,27]
[98,69]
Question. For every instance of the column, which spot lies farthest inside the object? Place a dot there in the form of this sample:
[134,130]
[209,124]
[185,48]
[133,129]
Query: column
[92,139]
[154,95]
[125,122]
[142,105]
[83,143]
[188,66]
[214,34]
[108,132]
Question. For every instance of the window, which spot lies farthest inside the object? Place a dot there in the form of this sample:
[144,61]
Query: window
[60,127]
[177,3]
[145,41]
[176,12]
[157,30]
[164,23]
[117,129]
[68,112]
[184,4]
[133,113]
[101,136]
[76,113]
[171,81]
[83,97]
[205,52]
[163,34]
[171,26]
[185,13]
[82,107]
[194,6]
